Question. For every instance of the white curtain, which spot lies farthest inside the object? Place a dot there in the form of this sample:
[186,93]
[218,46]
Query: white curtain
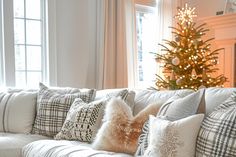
[166,10]
[115,43]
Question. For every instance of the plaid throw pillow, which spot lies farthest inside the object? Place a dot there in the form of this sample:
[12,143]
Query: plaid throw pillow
[217,136]
[84,119]
[52,109]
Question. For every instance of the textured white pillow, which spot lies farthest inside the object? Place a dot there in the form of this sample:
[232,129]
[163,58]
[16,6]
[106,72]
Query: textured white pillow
[176,138]
[17,111]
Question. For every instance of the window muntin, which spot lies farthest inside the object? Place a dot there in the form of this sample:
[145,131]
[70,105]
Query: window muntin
[29,42]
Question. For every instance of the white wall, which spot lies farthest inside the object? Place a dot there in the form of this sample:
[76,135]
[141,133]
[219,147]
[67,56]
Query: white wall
[73,23]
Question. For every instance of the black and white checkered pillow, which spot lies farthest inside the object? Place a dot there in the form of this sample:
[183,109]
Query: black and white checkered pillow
[217,136]
[52,108]
[82,121]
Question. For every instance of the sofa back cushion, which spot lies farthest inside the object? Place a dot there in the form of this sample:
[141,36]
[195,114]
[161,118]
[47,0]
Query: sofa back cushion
[180,107]
[216,96]
[17,111]
[146,97]
[101,94]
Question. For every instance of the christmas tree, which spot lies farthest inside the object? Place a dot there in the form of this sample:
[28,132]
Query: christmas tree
[188,61]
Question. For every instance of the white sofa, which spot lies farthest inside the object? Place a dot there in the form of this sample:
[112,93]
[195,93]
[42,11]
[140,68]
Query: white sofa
[17,144]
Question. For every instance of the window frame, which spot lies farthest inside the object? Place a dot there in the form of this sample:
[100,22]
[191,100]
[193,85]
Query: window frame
[142,8]
[1,47]
[8,49]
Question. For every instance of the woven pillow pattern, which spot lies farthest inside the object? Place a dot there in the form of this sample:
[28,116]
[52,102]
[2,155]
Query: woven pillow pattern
[52,108]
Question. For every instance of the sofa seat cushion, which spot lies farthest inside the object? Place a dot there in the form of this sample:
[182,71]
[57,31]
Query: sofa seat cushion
[11,144]
[62,148]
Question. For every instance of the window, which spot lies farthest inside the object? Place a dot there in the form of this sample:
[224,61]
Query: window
[29,39]
[146,23]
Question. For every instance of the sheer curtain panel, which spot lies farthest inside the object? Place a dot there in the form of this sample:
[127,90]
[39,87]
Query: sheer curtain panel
[115,43]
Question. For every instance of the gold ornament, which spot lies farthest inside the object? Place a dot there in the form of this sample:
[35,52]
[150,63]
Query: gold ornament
[194,74]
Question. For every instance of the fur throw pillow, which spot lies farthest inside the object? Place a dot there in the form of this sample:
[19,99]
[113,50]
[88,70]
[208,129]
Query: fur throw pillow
[120,130]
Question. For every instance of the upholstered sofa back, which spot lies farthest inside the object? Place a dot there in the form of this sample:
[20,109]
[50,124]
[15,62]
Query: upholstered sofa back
[213,97]
[21,104]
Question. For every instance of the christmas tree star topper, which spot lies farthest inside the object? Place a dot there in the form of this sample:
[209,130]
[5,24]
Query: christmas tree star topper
[186,14]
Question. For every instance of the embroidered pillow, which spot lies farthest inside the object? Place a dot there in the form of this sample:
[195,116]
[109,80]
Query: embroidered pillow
[177,108]
[120,130]
[176,138]
[217,136]
[83,120]
[52,109]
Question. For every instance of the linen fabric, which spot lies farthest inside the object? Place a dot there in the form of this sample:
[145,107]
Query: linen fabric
[52,108]
[177,108]
[65,148]
[120,130]
[217,135]
[176,138]
[20,106]
[11,144]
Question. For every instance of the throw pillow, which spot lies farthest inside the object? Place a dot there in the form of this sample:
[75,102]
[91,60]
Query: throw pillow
[217,135]
[120,130]
[87,95]
[83,120]
[17,111]
[178,138]
[177,108]
[52,108]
